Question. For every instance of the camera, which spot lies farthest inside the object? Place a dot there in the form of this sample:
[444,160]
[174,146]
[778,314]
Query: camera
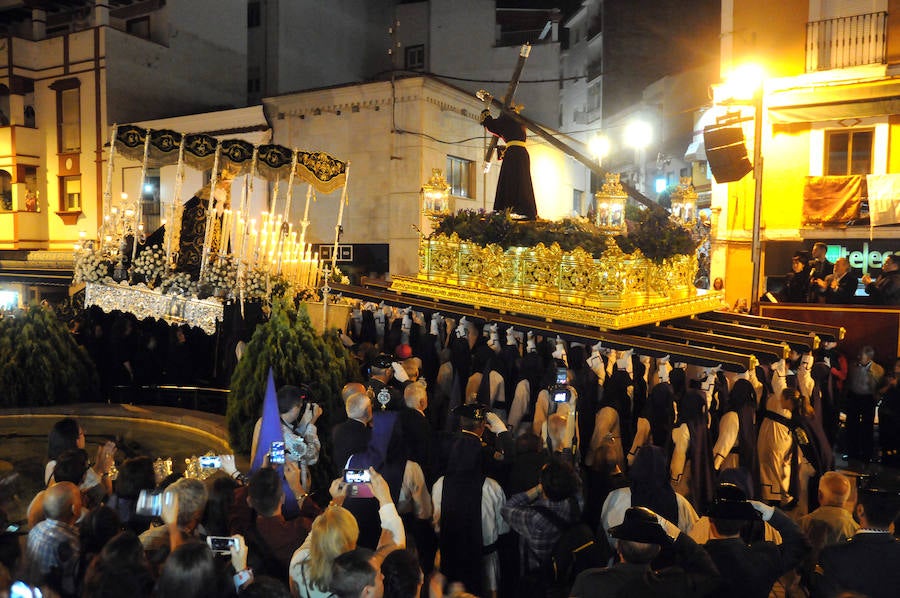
[276,453]
[221,544]
[210,462]
[562,375]
[560,393]
[150,504]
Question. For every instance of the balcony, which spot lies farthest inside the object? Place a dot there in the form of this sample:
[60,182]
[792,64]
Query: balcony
[27,141]
[846,41]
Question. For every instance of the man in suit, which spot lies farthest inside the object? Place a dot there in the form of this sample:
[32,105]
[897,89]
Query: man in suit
[840,286]
[750,570]
[640,537]
[867,563]
[417,433]
[885,290]
[352,436]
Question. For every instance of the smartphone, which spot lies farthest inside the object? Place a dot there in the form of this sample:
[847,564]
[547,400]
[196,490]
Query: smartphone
[210,462]
[560,396]
[357,481]
[357,476]
[221,544]
[149,504]
[562,375]
[276,452]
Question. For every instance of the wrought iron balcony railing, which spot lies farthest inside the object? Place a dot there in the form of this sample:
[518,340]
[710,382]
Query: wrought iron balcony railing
[846,41]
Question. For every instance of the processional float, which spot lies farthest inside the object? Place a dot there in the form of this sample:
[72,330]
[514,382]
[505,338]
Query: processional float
[207,251]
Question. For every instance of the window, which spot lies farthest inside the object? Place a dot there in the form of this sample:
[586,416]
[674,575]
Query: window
[68,115]
[459,175]
[150,199]
[254,80]
[415,58]
[254,14]
[139,27]
[848,152]
[70,193]
[577,196]
[5,191]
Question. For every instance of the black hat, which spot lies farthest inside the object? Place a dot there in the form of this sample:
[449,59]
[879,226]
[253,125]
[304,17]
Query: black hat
[731,503]
[384,361]
[799,348]
[472,411]
[640,525]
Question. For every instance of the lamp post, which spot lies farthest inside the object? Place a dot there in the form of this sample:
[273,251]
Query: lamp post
[756,245]
[638,135]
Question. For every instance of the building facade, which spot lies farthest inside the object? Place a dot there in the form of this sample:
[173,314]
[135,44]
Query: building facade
[65,75]
[828,136]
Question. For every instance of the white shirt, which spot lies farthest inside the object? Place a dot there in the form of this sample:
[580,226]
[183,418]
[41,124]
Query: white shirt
[619,500]
[414,496]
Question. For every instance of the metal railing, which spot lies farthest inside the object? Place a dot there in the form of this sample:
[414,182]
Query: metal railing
[846,41]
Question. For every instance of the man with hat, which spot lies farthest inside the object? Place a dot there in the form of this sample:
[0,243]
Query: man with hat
[496,451]
[750,570]
[867,563]
[641,537]
[383,394]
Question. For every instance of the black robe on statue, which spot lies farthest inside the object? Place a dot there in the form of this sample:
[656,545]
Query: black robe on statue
[514,189]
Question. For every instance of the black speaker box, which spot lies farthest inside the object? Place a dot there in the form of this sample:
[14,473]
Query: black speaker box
[726,152]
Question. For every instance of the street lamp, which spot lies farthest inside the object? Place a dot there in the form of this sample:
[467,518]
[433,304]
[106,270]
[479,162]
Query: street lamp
[599,147]
[746,82]
[638,135]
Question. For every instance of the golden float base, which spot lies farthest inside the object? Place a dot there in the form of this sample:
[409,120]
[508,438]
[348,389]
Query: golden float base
[654,310]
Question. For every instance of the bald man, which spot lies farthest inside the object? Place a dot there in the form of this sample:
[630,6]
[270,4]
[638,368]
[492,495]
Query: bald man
[831,522]
[352,436]
[352,388]
[53,551]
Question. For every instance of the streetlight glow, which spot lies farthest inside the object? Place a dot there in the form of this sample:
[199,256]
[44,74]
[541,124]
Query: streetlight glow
[599,147]
[638,134]
[743,82]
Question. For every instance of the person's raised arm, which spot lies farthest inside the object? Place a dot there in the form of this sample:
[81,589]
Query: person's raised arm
[393,535]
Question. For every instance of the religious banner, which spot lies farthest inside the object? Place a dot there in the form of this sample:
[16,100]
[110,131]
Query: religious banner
[273,162]
[832,199]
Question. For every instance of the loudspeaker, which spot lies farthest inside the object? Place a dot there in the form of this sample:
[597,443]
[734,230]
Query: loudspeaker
[726,152]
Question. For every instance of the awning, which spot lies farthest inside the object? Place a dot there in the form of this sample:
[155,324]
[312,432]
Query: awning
[817,103]
[835,111]
[36,276]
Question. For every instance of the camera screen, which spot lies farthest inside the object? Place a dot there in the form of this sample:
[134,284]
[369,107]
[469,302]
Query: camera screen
[560,396]
[149,504]
[276,453]
[220,543]
[210,461]
[357,476]
[562,376]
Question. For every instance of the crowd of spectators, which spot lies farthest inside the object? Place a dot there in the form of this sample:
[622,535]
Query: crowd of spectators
[467,465]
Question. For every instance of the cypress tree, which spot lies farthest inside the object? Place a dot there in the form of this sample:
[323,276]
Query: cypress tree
[40,362]
[297,355]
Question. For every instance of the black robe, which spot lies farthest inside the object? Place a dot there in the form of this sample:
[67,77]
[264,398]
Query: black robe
[514,189]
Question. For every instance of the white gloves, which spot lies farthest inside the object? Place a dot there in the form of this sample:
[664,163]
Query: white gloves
[494,423]
[763,509]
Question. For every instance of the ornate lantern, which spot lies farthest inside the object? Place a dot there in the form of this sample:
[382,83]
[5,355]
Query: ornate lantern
[684,201]
[435,195]
[610,205]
